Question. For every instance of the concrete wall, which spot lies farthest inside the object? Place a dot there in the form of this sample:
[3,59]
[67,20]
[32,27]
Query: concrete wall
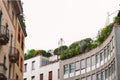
[103,66]
[117,49]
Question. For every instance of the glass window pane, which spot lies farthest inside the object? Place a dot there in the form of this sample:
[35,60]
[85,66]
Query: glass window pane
[82,64]
[66,69]
[103,75]
[72,67]
[108,49]
[106,74]
[98,58]
[105,52]
[25,67]
[99,76]
[33,65]
[93,60]
[101,56]
[83,79]
[89,78]
[94,77]
[88,62]
[77,64]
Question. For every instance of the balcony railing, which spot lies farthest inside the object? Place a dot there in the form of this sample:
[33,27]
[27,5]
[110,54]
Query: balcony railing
[4,35]
[13,55]
[2,72]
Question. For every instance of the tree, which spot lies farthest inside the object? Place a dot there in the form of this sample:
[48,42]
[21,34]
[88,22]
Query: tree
[30,54]
[60,49]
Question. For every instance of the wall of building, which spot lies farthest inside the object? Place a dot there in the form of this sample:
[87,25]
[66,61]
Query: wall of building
[10,10]
[41,69]
[95,64]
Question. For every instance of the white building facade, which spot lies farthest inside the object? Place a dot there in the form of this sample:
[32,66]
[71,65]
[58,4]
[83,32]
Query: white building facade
[41,68]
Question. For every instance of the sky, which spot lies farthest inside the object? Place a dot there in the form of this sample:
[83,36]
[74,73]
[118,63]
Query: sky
[72,20]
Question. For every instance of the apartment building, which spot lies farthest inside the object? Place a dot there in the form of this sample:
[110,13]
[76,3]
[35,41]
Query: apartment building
[101,63]
[12,36]
[41,68]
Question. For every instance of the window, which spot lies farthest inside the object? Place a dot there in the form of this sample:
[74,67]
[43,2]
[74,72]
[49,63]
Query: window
[108,50]
[83,64]
[72,67]
[44,62]
[88,62]
[33,65]
[94,77]
[93,60]
[112,44]
[113,70]
[0,18]
[4,60]
[99,76]
[50,75]
[19,34]
[25,67]
[41,76]
[16,77]
[18,59]
[103,75]
[105,54]
[102,57]
[77,65]
[22,43]
[7,32]
[58,73]
[109,72]
[21,64]
[9,76]
[83,78]
[66,69]
[98,59]
[89,78]
[106,74]
[25,78]
[33,78]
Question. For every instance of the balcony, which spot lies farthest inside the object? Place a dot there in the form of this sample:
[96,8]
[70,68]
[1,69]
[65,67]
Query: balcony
[13,55]
[2,72]
[4,35]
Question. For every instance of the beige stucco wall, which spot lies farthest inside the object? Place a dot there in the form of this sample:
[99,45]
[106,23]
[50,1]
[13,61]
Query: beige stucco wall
[13,27]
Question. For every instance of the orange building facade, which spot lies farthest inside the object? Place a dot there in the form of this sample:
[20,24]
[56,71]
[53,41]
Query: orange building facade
[12,37]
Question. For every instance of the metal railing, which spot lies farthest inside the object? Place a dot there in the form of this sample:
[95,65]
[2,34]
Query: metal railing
[2,71]
[4,34]
[14,54]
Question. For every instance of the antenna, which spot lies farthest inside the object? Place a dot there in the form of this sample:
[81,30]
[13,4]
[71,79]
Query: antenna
[61,42]
[108,15]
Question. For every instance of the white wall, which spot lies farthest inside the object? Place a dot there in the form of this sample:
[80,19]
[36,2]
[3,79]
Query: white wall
[53,58]
[41,69]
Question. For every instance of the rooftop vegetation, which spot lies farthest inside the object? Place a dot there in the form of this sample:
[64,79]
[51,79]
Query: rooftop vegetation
[77,47]
[33,53]
[87,44]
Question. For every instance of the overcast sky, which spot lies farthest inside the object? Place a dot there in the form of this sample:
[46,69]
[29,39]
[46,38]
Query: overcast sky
[49,20]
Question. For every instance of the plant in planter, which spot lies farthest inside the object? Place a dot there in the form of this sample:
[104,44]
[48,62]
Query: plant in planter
[117,21]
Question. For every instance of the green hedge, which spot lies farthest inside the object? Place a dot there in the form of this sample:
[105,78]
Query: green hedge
[87,44]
